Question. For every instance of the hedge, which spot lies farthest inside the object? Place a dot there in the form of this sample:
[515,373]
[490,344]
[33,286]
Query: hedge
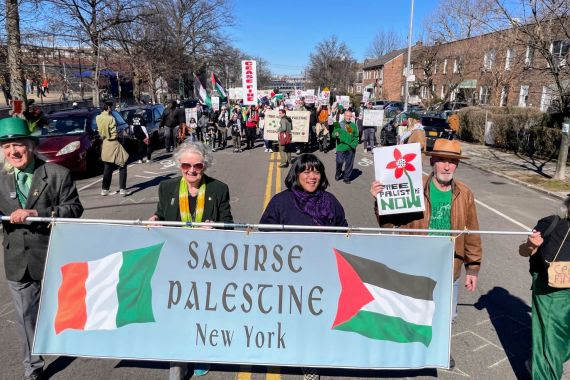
[522,130]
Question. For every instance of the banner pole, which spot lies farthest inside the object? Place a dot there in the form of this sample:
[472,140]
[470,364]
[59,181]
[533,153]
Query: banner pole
[262,227]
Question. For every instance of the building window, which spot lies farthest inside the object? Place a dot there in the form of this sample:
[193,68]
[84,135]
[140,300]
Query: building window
[559,50]
[523,96]
[509,59]
[442,92]
[529,56]
[484,95]
[445,66]
[455,66]
[546,98]
[504,96]
[359,89]
[435,67]
[359,77]
[423,92]
[433,88]
[489,60]
[453,94]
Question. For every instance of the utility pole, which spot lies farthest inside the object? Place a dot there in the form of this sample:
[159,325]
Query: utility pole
[406,87]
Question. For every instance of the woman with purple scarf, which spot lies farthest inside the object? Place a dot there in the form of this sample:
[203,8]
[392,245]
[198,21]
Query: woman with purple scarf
[305,203]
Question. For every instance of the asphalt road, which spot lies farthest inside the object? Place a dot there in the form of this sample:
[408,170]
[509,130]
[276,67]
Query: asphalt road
[490,340]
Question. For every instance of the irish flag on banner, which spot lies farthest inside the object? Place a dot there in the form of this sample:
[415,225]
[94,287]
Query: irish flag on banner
[381,303]
[108,293]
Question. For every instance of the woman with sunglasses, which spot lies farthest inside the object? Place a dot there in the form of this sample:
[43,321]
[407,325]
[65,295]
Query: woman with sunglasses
[192,197]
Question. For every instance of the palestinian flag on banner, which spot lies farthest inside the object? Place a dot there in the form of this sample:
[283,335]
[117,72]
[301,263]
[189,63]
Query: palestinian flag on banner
[217,85]
[108,293]
[381,303]
[203,96]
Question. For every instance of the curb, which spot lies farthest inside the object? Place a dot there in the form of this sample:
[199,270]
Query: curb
[518,181]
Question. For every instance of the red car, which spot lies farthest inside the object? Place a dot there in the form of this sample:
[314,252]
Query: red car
[70,138]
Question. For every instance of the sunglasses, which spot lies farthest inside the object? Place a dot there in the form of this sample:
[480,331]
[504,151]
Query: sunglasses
[186,166]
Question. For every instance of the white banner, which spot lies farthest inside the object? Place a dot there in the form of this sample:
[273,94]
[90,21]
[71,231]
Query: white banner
[300,119]
[399,169]
[191,113]
[373,118]
[249,81]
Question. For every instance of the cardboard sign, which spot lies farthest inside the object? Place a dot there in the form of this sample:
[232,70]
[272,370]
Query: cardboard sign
[399,169]
[312,299]
[300,121]
[373,118]
[249,82]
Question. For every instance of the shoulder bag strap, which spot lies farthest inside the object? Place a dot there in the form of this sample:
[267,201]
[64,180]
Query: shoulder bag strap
[561,244]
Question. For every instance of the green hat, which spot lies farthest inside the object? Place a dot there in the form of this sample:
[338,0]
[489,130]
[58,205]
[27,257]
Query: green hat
[14,128]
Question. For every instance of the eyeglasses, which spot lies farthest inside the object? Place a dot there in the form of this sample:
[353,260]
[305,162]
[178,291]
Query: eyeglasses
[186,166]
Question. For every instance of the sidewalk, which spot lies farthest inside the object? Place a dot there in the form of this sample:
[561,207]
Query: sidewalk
[531,172]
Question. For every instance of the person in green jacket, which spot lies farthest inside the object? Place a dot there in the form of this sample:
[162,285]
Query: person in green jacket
[346,134]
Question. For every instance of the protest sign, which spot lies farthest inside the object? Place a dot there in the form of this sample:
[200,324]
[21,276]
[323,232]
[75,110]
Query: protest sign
[236,93]
[310,92]
[365,96]
[261,298]
[215,103]
[399,169]
[344,100]
[191,113]
[249,82]
[300,120]
[373,118]
[310,99]
[324,98]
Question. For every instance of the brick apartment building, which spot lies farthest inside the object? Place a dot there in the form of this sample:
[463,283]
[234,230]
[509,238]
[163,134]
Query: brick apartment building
[491,69]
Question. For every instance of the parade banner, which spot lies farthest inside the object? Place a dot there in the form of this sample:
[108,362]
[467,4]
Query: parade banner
[299,119]
[191,113]
[399,169]
[260,298]
[215,103]
[373,118]
[249,82]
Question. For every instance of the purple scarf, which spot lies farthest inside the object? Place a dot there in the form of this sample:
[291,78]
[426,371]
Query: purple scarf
[318,205]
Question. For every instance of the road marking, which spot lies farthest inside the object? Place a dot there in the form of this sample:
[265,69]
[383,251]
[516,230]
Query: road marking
[499,213]
[273,373]
[497,363]
[146,172]
[143,176]
[278,177]
[100,179]
[244,372]
[269,182]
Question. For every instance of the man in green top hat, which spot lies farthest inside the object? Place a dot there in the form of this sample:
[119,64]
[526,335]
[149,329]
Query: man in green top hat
[29,187]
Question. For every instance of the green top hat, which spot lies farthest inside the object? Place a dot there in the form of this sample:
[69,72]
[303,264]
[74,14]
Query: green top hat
[14,128]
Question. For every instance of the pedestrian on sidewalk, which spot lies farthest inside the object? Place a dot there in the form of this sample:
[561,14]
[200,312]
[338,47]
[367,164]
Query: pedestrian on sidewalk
[171,120]
[45,86]
[285,126]
[345,133]
[113,154]
[549,243]
[450,206]
[29,187]
[236,131]
[368,132]
[29,89]
[222,126]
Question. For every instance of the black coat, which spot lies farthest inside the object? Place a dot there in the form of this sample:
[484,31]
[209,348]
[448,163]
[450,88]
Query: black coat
[216,206]
[25,245]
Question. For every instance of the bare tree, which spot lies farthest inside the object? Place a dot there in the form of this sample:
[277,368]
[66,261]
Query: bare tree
[457,19]
[331,65]
[384,42]
[542,29]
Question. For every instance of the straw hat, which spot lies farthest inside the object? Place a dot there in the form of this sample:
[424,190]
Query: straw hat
[446,149]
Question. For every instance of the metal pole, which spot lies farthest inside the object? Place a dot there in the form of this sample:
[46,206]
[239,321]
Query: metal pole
[269,227]
[406,89]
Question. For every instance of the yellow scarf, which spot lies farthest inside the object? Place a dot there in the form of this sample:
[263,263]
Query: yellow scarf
[184,204]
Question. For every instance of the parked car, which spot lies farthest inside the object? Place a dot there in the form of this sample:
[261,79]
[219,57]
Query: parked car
[378,104]
[443,110]
[389,132]
[435,128]
[153,115]
[70,138]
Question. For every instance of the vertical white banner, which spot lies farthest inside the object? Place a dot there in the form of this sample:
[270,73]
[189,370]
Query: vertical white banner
[216,103]
[249,81]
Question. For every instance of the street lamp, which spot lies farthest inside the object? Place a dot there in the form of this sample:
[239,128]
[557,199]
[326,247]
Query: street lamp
[406,87]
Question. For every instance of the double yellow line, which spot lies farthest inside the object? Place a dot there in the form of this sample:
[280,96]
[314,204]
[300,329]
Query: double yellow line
[274,159]
[273,373]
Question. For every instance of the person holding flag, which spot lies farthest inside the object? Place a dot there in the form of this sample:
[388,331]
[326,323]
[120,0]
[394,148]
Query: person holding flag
[217,85]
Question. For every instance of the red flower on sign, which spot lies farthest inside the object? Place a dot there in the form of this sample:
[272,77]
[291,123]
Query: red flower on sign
[401,163]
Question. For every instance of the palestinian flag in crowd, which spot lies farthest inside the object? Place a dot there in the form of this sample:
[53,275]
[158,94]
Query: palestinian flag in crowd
[203,96]
[277,96]
[108,293]
[217,85]
[381,303]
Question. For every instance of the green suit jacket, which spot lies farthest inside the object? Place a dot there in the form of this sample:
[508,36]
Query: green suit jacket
[216,207]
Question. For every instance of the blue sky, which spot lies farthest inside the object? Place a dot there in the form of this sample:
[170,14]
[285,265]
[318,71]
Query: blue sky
[285,33]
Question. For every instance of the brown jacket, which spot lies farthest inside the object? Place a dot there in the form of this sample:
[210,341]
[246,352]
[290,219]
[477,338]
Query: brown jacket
[418,136]
[468,249]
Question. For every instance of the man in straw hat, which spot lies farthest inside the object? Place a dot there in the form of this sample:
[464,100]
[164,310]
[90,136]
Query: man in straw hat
[29,187]
[450,205]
